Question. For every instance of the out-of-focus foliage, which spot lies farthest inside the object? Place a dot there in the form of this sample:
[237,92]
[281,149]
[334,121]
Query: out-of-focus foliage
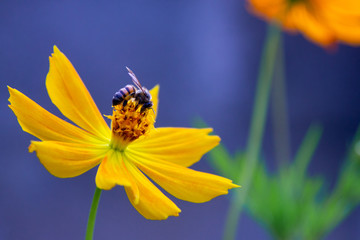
[284,201]
[289,203]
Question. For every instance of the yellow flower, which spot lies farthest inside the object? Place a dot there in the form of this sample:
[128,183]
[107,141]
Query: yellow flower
[325,22]
[127,151]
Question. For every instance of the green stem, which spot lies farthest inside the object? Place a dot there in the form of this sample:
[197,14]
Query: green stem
[256,130]
[279,111]
[92,215]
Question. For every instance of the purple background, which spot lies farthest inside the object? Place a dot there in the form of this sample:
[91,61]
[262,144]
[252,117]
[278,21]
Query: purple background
[205,56]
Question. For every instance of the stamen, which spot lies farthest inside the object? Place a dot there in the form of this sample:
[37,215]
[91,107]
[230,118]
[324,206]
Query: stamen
[129,123]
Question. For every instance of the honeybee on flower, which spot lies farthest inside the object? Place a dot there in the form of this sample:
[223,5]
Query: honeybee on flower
[128,153]
[141,95]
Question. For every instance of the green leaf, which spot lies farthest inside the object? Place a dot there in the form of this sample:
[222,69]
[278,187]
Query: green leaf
[306,152]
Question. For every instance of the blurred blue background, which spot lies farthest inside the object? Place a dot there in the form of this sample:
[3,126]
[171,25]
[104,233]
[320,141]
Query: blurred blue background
[205,56]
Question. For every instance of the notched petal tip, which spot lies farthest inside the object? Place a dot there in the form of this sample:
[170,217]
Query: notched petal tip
[12,91]
[56,51]
[216,139]
[209,131]
[9,88]
[136,199]
[32,147]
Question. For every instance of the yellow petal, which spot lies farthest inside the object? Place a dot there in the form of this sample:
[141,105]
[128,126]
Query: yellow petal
[37,121]
[154,92]
[182,146]
[113,171]
[66,160]
[152,204]
[70,95]
[181,182]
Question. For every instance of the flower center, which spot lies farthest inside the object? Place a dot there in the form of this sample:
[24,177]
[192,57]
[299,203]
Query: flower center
[129,123]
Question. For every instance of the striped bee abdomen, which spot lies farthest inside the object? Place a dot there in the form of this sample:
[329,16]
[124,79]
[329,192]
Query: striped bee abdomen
[123,94]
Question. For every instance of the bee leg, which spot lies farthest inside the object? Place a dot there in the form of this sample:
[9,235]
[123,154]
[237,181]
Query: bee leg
[143,108]
[124,103]
[137,106]
[146,106]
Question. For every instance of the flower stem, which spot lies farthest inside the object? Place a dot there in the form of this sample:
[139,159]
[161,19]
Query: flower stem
[92,215]
[279,111]
[257,129]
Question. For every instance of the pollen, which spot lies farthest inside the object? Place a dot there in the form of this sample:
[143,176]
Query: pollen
[129,123]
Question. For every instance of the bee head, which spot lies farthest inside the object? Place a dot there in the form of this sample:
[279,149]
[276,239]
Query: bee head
[147,94]
[143,96]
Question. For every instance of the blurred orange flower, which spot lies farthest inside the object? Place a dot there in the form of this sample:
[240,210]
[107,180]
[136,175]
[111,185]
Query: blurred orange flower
[325,22]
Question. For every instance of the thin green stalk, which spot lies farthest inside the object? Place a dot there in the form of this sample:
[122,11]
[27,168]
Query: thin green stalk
[92,215]
[257,129]
[279,111]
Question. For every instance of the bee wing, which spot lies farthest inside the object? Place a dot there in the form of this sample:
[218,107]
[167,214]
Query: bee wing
[134,79]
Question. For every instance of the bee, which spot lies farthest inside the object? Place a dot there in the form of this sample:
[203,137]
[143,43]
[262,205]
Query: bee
[141,94]
[123,95]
